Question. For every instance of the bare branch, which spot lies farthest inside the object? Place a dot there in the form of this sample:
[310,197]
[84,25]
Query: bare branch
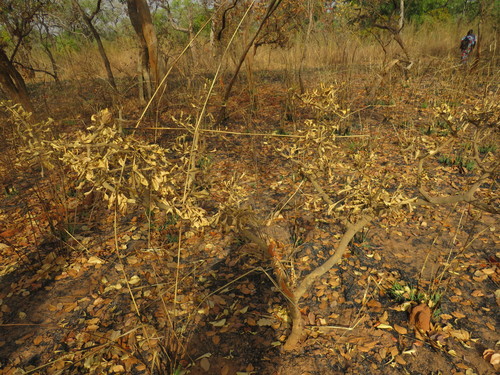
[352,229]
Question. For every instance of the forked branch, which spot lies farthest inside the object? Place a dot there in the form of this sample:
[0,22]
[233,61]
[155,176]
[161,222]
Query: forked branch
[308,281]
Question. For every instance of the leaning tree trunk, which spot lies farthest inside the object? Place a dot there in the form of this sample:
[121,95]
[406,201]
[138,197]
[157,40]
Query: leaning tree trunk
[13,83]
[273,5]
[141,20]
[100,46]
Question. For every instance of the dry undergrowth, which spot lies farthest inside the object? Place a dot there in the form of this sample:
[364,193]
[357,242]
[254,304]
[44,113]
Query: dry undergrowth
[127,171]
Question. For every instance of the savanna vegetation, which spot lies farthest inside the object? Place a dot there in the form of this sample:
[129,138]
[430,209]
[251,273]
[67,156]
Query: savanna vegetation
[249,187]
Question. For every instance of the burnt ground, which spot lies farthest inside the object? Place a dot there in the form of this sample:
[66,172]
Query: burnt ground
[83,293]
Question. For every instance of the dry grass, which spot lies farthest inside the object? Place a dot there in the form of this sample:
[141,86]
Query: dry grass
[430,45]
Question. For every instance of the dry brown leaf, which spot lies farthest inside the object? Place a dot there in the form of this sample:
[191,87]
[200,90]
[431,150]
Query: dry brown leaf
[375,305]
[394,351]
[219,323]
[495,359]
[492,357]
[488,271]
[458,314]
[445,316]
[118,368]
[366,347]
[384,317]
[205,364]
[488,353]
[95,260]
[382,352]
[70,307]
[420,317]
[383,326]
[400,360]
[477,293]
[400,330]
[460,334]
[37,340]
[264,322]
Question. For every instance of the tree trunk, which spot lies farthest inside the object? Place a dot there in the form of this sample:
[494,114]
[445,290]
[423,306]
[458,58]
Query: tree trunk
[55,68]
[401,14]
[97,37]
[13,83]
[310,8]
[273,5]
[141,19]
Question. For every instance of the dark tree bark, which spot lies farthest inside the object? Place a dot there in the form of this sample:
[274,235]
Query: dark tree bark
[272,6]
[88,21]
[12,82]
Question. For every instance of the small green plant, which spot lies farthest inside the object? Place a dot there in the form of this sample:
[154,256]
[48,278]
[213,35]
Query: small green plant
[70,122]
[429,130]
[343,130]
[10,191]
[355,146]
[444,159]
[470,165]
[404,293]
[280,131]
[204,162]
[170,220]
[171,238]
[458,161]
[487,148]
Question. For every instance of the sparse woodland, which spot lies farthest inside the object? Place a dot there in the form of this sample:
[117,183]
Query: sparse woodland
[249,187]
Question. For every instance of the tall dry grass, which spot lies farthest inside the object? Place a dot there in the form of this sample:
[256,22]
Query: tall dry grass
[432,46]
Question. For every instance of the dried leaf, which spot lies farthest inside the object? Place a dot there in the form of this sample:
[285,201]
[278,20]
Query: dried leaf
[400,330]
[400,360]
[420,317]
[264,322]
[219,323]
[495,359]
[460,334]
[95,260]
[458,314]
[37,340]
[383,326]
[134,280]
[118,368]
[205,364]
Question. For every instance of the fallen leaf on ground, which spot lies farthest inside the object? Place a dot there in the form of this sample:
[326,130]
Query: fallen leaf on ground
[219,323]
[38,340]
[95,260]
[205,364]
[400,330]
[420,317]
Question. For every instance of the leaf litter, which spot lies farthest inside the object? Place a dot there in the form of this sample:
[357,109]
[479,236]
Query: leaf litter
[102,310]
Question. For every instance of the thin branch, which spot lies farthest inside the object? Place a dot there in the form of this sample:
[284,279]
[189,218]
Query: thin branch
[468,196]
[319,271]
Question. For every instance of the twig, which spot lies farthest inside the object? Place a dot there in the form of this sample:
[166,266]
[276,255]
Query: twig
[241,133]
